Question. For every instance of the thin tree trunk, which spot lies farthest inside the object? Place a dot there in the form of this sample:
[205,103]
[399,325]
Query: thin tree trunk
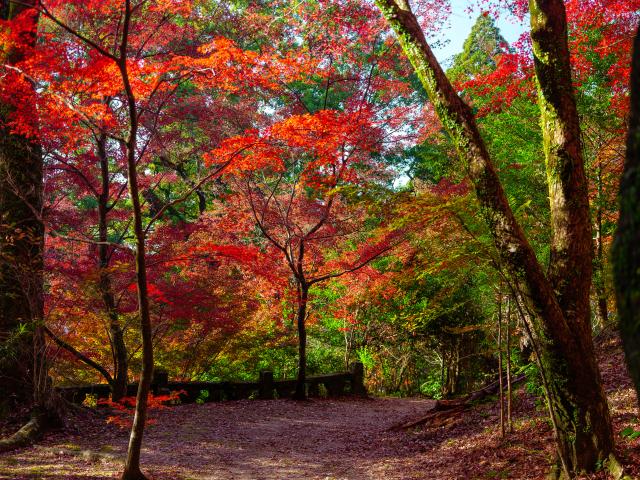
[132,464]
[456,371]
[301,390]
[599,283]
[508,348]
[442,371]
[119,381]
[348,340]
[602,313]
[202,197]
[347,346]
[446,362]
[560,304]
[116,334]
[500,381]
[80,356]
[626,254]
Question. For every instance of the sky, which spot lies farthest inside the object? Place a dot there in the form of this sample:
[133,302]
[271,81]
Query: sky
[458,29]
[460,24]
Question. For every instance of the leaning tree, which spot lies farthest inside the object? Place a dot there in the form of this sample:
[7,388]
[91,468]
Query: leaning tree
[559,298]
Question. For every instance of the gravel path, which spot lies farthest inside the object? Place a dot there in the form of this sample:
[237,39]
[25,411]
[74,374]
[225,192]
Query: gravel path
[279,439]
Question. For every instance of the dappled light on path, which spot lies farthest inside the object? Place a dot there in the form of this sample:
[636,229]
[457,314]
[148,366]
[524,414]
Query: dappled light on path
[277,439]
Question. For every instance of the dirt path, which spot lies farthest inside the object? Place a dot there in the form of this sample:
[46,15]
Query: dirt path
[327,440]
[279,439]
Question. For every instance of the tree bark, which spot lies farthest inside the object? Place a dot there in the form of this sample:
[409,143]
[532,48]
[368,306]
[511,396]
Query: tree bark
[583,441]
[132,464]
[23,368]
[626,254]
[579,410]
[508,354]
[500,382]
[301,390]
[570,267]
[116,334]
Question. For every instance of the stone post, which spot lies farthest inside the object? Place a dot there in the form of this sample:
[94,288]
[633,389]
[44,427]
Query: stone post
[160,382]
[265,391]
[357,380]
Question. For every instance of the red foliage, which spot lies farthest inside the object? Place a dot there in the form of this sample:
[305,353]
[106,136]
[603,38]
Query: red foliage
[123,409]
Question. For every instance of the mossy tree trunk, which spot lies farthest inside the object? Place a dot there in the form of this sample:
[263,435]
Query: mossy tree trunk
[559,302]
[584,429]
[626,250]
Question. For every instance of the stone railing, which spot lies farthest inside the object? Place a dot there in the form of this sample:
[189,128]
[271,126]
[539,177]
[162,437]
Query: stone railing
[331,385]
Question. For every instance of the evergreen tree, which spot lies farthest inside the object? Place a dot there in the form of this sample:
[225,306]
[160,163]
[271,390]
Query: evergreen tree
[480,51]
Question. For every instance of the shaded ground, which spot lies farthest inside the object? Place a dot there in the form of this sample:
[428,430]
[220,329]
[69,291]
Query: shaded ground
[470,446]
[249,439]
[325,439]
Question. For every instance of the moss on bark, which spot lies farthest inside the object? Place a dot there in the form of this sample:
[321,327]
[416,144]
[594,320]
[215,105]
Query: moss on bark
[578,408]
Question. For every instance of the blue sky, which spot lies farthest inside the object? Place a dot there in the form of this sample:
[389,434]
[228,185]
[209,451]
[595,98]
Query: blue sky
[460,24]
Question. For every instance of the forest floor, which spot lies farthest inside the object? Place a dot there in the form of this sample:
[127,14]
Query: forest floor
[324,439]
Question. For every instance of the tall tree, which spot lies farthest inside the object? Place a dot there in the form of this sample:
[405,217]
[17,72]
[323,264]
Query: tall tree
[117,58]
[21,235]
[480,50]
[23,365]
[559,301]
[299,200]
[626,253]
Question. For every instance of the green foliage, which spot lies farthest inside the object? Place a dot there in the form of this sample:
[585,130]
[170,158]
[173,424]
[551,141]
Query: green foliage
[479,51]
[202,397]
[533,383]
[365,356]
[427,161]
[432,388]
[630,433]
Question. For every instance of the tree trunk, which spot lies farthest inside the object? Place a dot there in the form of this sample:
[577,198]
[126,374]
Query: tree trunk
[116,334]
[23,370]
[132,464]
[301,391]
[626,254]
[500,381]
[456,371]
[508,351]
[446,372]
[559,304]
[585,435]
[599,261]
[348,339]
[442,368]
